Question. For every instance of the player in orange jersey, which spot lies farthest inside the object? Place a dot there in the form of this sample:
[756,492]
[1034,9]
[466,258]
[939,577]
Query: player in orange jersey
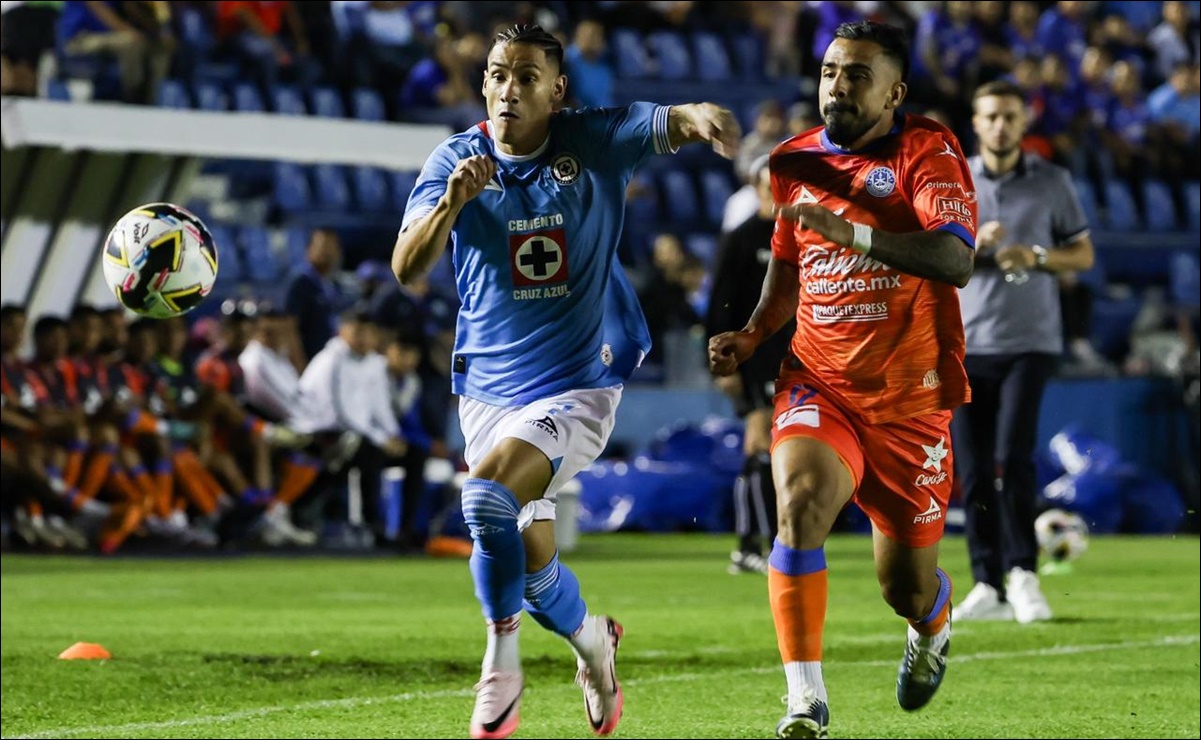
[875,231]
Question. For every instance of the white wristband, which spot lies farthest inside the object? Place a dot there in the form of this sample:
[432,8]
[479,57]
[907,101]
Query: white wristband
[862,241]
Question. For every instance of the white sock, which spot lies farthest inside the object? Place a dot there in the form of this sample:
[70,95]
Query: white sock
[802,675]
[931,642]
[501,655]
[584,640]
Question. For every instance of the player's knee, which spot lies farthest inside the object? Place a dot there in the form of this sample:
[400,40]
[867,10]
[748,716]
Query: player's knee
[489,509]
[904,598]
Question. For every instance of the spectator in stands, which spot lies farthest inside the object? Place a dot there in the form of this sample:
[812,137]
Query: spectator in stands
[1063,119]
[1175,41]
[312,296]
[768,131]
[269,38]
[26,35]
[143,55]
[588,66]
[1175,109]
[1125,135]
[738,275]
[664,298]
[1061,29]
[802,116]
[442,87]
[374,278]
[345,385]
[945,47]
[403,352]
[1032,227]
[383,35]
[996,56]
[1021,32]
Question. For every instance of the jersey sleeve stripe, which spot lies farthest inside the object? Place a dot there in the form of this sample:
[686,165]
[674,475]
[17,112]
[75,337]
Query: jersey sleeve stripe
[960,231]
[414,214]
[659,136]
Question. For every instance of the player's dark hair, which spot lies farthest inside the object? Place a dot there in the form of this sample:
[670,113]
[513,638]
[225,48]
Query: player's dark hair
[534,35]
[999,88]
[9,310]
[83,311]
[46,324]
[890,38]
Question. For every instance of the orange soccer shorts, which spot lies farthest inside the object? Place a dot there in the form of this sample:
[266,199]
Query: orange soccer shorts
[901,470]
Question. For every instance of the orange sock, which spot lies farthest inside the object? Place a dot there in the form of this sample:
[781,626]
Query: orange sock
[933,622]
[74,466]
[120,482]
[254,425]
[299,474]
[192,479]
[140,422]
[95,473]
[798,587]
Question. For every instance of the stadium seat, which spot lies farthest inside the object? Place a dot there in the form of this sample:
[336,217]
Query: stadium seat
[748,55]
[716,190]
[1121,213]
[210,96]
[1161,214]
[370,189]
[260,263]
[630,54]
[671,55]
[229,264]
[173,94]
[297,241]
[367,105]
[1088,201]
[1186,281]
[643,209]
[402,185]
[292,190]
[247,98]
[1112,320]
[1192,197]
[704,246]
[326,101]
[713,63]
[679,198]
[286,100]
[330,187]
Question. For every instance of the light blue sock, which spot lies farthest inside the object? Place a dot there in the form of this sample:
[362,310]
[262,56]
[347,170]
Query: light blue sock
[552,597]
[498,558]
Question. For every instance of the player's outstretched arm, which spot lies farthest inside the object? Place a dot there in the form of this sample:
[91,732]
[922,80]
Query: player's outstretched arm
[698,122]
[933,255]
[777,304]
[420,245]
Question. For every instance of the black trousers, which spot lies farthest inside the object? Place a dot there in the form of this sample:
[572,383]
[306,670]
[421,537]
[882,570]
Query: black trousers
[994,438]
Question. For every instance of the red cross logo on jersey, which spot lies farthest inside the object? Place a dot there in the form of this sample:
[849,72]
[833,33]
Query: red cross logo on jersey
[539,258]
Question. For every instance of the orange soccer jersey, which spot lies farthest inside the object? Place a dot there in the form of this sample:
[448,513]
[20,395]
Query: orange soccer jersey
[889,344]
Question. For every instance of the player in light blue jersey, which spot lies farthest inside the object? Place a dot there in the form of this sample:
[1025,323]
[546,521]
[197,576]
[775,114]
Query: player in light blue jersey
[532,202]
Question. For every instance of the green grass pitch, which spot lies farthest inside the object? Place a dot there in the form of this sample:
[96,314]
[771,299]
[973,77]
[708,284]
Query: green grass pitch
[336,647]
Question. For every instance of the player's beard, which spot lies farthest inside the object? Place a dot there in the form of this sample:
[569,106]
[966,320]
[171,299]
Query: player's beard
[843,127]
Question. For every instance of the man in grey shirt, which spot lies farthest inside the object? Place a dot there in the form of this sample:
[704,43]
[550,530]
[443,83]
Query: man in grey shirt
[1031,227]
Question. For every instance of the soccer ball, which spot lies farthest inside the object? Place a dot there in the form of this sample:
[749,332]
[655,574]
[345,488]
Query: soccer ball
[160,260]
[1062,535]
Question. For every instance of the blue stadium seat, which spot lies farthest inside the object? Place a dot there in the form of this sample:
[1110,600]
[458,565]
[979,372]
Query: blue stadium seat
[330,187]
[402,185]
[1192,197]
[210,96]
[1161,214]
[297,241]
[1186,281]
[1088,201]
[57,90]
[292,190]
[748,55]
[367,105]
[1112,320]
[671,55]
[716,190]
[260,262]
[629,54]
[709,51]
[704,246]
[247,98]
[326,101]
[370,189]
[229,264]
[679,198]
[286,100]
[193,30]
[643,209]
[173,94]
[1122,214]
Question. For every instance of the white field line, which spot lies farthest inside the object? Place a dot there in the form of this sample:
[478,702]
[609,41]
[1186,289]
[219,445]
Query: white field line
[126,730]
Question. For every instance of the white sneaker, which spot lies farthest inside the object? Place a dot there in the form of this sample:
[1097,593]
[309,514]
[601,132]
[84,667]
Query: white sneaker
[746,562]
[278,529]
[983,603]
[808,717]
[1023,592]
[497,705]
[603,699]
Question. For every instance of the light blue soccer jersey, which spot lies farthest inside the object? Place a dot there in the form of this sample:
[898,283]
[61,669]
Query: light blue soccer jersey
[546,306]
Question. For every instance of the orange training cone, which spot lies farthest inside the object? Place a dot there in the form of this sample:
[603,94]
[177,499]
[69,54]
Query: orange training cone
[85,651]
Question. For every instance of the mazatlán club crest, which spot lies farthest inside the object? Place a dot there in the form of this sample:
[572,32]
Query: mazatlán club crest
[880,182]
[565,168]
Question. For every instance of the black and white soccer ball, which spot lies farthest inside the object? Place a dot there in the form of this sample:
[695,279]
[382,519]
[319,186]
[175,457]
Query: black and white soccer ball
[160,260]
[1062,535]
